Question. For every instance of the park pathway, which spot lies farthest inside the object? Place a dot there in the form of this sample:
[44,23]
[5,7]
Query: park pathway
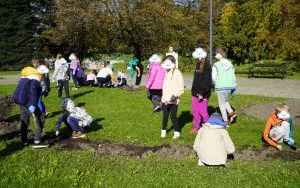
[246,86]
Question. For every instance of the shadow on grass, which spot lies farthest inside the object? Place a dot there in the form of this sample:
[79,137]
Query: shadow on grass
[53,114]
[75,96]
[10,148]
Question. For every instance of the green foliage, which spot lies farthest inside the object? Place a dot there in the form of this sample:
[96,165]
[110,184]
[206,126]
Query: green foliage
[18,42]
[254,30]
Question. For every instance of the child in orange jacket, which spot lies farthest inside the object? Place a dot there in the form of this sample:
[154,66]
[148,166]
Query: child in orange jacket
[278,127]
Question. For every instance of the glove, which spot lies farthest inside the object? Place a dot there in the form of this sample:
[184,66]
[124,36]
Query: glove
[291,141]
[31,109]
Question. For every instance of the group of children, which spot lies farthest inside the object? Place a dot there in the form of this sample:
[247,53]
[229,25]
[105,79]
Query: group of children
[165,86]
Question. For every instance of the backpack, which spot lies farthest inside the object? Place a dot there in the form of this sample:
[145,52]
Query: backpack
[20,95]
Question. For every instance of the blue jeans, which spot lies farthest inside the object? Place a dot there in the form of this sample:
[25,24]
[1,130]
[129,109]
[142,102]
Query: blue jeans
[74,124]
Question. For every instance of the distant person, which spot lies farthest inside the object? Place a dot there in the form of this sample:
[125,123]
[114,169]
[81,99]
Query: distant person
[173,88]
[155,81]
[27,95]
[121,80]
[135,65]
[91,78]
[278,128]
[62,76]
[74,65]
[174,54]
[77,118]
[224,79]
[213,143]
[105,76]
[201,89]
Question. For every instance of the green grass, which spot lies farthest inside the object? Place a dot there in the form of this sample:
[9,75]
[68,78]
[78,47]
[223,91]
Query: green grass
[125,116]
[4,73]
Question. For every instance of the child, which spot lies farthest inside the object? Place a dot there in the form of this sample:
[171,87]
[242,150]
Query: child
[121,80]
[73,67]
[62,76]
[278,128]
[174,54]
[213,143]
[135,64]
[201,89]
[27,94]
[155,81]
[224,79]
[91,78]
[76,117]
[173,88]
[105,75]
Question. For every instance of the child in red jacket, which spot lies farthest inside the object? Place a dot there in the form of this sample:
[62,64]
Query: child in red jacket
[278,128]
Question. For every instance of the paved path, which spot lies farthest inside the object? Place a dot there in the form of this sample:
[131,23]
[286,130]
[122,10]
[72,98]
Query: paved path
[246,86]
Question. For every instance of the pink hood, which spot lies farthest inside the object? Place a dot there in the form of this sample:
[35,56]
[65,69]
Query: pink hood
[156,77]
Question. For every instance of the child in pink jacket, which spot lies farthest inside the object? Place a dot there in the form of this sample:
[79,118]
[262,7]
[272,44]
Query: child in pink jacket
[155,81]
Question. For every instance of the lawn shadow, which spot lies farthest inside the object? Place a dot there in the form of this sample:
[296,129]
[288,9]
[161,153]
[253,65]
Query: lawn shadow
[81,104]
[75,96]
[95,125]
[53,114]
[11,147]
[13,118]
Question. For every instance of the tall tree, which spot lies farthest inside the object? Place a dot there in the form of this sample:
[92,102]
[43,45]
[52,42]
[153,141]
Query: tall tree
[19,40]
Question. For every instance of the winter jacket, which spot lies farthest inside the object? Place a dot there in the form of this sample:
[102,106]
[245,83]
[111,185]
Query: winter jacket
[272,121]
[28,90]
[202,82]
[173,87]
[74,64]
[223,75]
[61,71]
[213,144]
[156,77]
[45,84]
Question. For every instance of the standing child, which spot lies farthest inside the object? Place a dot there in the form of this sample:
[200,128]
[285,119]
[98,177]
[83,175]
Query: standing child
[224,79]
[62,76]
[201,89]
[155,81]
[213,143]
[278,128]
[73,68]
[27,94]
[76,117]
[173,88]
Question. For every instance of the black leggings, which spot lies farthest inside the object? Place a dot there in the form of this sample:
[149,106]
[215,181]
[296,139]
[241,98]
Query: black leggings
[63,84]
[170,109]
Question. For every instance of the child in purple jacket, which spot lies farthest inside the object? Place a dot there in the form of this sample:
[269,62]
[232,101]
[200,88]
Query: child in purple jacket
[74,66]
[155,81]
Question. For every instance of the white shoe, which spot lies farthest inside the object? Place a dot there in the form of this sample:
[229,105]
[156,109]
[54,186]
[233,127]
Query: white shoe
[163,133]
[56,133]
[176,135]
[200,163]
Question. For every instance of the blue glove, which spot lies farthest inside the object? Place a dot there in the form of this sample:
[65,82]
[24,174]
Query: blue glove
[31,109]
[291,141]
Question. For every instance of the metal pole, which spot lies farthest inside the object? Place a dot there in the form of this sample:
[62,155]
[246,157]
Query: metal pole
[211,32]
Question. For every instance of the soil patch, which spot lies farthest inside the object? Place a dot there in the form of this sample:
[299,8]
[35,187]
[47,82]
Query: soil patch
[263,111]
[169,151]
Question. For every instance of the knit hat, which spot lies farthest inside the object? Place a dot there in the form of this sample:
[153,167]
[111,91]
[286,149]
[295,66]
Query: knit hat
[168,64]
[72,57]
[155,59]
[199,53]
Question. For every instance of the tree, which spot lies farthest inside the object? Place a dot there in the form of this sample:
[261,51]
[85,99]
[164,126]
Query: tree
[19,41]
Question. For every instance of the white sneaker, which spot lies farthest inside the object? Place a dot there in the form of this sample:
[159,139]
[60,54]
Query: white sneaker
[176,135]
[163,133]
[56,133]
[200,163]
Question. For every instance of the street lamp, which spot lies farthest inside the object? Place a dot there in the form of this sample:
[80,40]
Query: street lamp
[210,32]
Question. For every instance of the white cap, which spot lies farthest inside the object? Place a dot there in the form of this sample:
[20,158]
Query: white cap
[199,53]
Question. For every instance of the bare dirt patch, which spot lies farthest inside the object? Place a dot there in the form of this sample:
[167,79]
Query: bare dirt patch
[168,151]
[263,111]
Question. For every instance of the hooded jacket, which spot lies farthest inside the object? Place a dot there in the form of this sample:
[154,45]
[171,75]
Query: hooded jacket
[61,71]
[173,87]
[213,144]
[273,120]
[223,75]
[156,77]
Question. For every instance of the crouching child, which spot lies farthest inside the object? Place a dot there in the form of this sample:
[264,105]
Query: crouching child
[213,143]
[76,118]
[278,128]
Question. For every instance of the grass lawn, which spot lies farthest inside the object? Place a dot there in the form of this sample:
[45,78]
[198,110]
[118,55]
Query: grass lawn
[125,116]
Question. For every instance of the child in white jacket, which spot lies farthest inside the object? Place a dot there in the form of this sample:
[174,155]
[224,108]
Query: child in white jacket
[173,88]
[76,117]
[213,143]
